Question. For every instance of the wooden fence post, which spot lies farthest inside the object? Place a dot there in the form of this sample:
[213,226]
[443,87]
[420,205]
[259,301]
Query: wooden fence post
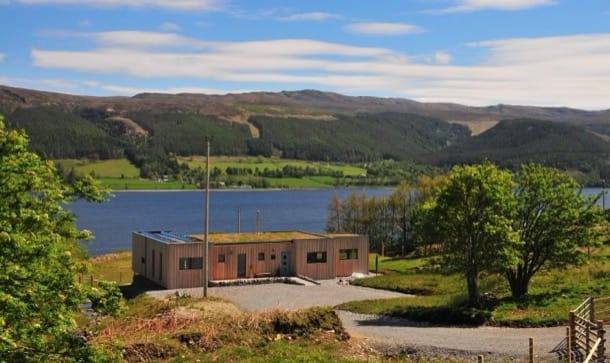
[601,350]
[572,324]
[531,350]
[91,280]
[481,359]
[569,344]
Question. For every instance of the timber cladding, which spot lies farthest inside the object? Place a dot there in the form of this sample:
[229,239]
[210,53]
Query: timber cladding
[176,262]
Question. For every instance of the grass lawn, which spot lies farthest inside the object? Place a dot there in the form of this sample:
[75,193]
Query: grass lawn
[441,297]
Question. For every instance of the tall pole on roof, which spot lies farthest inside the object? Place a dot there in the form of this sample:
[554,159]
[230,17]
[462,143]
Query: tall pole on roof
[207,209]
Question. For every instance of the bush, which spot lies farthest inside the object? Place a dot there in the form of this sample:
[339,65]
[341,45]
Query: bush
[106,298]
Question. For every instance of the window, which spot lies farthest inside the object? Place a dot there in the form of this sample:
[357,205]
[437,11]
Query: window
[261,256]
[221,257]
[316,257]
[273,256]
[191,263]
[349,254]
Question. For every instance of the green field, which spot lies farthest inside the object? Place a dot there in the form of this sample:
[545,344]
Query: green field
[253,162]
[121,175]
[119,168]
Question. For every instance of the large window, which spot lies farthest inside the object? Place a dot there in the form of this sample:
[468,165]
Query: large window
[191,263]
[349,254]
[316,257]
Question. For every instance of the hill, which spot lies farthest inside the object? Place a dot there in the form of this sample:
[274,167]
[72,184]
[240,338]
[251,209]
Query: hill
[150,129]
[514,142]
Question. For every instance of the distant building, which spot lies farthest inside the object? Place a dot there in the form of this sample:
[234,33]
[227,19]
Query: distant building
[176,262]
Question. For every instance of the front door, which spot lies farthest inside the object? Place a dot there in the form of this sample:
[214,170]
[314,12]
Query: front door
[284,264]
[241,265]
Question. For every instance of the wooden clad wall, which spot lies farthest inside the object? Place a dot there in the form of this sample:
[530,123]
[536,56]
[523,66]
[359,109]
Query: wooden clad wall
[317,271]
[333,266]
[149,258]
[348,267]
[174,277]
[228,270]
[138,254]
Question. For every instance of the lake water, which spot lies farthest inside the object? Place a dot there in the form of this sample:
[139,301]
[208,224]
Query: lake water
[182,211]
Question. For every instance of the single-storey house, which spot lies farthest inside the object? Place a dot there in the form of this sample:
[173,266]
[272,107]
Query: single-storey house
[175,261]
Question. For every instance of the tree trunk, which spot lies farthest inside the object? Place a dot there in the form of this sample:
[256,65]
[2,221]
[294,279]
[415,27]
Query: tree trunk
[473,288]
[519,283]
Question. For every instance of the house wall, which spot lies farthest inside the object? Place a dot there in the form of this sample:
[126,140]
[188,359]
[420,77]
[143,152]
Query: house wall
[175,278]
[348,267]
[333,267]
[160,261]
[318,270]
[227,270]
[150,258]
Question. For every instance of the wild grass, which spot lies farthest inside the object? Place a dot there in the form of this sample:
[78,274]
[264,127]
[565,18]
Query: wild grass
[112,267]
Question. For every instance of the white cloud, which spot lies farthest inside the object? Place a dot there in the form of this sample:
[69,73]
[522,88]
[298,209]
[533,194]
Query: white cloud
[169,26]
[475,5]
[312,16]
[553,71]
[382,28]
[84,23]
[126,90]
[2,56]
[173,4]
[442,57]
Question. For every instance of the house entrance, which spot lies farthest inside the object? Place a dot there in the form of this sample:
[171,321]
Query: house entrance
[284,264]
[241,265]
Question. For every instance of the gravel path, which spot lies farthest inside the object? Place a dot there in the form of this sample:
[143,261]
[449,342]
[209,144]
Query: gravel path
[492,342]
[392,335]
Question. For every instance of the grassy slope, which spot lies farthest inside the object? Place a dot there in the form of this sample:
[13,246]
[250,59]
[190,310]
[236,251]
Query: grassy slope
[552,293]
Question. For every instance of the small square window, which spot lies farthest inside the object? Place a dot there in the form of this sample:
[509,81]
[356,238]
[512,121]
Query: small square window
[273,256]
[261,256]
[221,257]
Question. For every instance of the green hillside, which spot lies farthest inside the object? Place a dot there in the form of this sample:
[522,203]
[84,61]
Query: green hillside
[362,137]
[512,142]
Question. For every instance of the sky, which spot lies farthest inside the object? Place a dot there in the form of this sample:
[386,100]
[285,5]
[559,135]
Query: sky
[472,52]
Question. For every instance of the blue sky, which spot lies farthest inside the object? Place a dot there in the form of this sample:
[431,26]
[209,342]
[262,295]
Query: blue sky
[474,52]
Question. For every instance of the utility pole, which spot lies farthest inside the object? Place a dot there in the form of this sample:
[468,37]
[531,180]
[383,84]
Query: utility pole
[206,217]
[238,220]
[604,194]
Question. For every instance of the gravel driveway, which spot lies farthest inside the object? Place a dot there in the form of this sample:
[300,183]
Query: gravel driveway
[288,296]
[392,333]
[492,342]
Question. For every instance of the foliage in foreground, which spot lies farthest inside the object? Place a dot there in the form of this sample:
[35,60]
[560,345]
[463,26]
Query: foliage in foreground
[40,255]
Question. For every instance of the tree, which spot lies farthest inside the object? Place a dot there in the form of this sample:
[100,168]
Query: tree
[333,224]
[401,203]
[553,219]
[472,215]
[40,254]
